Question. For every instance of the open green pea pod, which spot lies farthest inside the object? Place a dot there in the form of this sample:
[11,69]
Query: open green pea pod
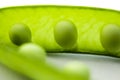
[87,29]
[89,23]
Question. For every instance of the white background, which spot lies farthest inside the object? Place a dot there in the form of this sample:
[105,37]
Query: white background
[111,4]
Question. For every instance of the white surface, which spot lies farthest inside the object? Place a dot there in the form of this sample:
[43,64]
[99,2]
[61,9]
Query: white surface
[112,4]
[101,67]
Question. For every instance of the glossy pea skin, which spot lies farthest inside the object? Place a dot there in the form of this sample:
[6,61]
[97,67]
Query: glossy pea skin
[33,52]
[19,34]
[110,38]
[65,34]
[77,70]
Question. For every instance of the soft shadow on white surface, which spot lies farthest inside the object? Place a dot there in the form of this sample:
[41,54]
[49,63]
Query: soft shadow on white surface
[101,67]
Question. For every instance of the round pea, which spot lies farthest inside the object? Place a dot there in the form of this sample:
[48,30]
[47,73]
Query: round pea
[110,38]
[19,34]
[77,70]
[32,51]
[65,34]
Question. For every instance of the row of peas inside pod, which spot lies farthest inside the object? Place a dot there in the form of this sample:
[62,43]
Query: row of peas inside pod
[65,35]
[21,35]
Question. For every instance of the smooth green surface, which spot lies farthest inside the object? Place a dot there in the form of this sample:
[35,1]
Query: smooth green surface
[77,70]
[33,51]
[110,38]
[65,34]
[42,19]
[20,34]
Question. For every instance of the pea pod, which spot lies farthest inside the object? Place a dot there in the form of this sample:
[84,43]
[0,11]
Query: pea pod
[42,19]
[29,68]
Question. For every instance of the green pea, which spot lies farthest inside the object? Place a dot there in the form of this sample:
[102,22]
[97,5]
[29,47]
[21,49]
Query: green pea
[32,51]
[77,70]
[65,34]
[19,34]
[110,38]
